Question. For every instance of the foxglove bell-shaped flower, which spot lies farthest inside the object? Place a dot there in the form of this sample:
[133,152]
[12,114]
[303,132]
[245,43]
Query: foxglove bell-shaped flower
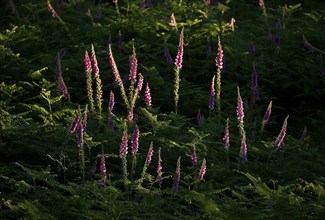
[147,95]
[219,58]
[280,138]
[173,20]
[179,57]
[135,140]
[149,155]
[177,175]
[240,107]
[124,145]
[212,95]
[203,170]
[194,157]
[133,66]
[226,143]
[94,63]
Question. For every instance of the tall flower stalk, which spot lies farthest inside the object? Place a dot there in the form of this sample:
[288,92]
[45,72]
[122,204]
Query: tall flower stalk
[280,138]
[240,116]
[225,139]
[117,77]
[194,157]
[54,14]
[102,171]
[123,153]
[203,170]
[147,95]
[99,86]
[177,175]
[178,66]
[133,73]
[63,88]
[80,143]
[134,148]
[89,82]
[219,64]
[212,94]
[266,116]
[159,168]
[147,162]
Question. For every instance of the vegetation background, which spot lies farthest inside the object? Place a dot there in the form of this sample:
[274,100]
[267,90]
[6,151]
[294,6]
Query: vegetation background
[45,171]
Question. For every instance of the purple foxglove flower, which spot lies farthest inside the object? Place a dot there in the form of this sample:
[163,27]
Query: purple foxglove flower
[149,156]
[111,122]
[243,151]
[212,95]
[280,138]
[102,171]
[240,107]
[75,123]
[147,95]
[225,139]
[159,166]
[254,84]
[194,157]
[111,102]
[261,3]
[322,71]
[85,119]
[120,43]
[94,61]
[167,54]
[251,48]
[199,118]
[267,113]
[232,24]
[80,134]
[219,57]
[308,46]
[51,9]
[304,136]
[140,82]
[133,66]
[177,175]
[62,86]
[203,170]
[173,20]
[87,61]
[124,145]
[179,57]
[112,63]
[135,140]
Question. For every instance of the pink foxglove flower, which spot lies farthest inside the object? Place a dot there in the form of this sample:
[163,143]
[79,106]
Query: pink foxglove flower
[103,171]
[75,123]
[124,145]
[159,167]
[226,143]
[62,86]
[133,66]
[87,61]
[267,113]
[94,63]
[147,95]
[240,108]
[212,95]
[219,58]
[51,9]
[232,24]
[203,170]
[177,175]
[179,57]
[261,3]
[113,64]
[243,151]
[173,20]
[140,82]
[135,140]
[149,156]
[280,138]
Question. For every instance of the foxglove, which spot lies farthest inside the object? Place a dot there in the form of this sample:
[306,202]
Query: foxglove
[266,115]
[240,107]
[102,171]
[225,139]
[173,20]
[203,169]
[124,145]
[219,58]
[177,175]
[133,66]
[147,95]
[62,86]
[94,63]
[111,101]
[149,155]
[51,9]
[135,140]
[280,138]
[159,167]
[212,95]
[179,57]
[194,157]
[89,81]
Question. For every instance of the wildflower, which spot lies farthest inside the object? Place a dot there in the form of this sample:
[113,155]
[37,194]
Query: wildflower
[111,101]
[135,140]
[177,175]
[124,145]
[149,156]
[140,82]
[85,119]
[133,66]
[173,20]
[103,171]
[113,64]
[240,108]
[179,57]
[159,167]
[94,61]
[280,138]
[225,139]
[266,115]
[261,3]
[212,95]
[203,169]
[75,123]
[87,61]
[62,86]
[167,54]
[51,9]
[147,95]
[219,57]
[194,157]
[232,24]
[243,151]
